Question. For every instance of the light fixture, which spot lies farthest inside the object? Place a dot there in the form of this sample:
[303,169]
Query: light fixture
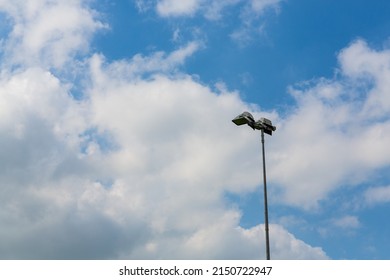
[265,126]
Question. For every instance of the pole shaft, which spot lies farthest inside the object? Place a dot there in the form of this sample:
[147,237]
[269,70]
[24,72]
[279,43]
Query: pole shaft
[265,201]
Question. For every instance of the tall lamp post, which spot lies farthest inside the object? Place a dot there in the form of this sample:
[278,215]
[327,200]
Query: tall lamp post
[265,126]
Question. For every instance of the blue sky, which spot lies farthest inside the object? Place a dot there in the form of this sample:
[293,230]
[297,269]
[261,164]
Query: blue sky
[117,141]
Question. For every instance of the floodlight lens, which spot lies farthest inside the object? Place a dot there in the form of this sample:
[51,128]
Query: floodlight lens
[244,118]
[240,121]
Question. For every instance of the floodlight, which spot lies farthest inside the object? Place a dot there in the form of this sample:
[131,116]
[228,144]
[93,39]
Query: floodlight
[245,118]
[265,126]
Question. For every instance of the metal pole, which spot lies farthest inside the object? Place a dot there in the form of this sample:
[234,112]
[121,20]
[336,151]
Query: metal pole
[265,201]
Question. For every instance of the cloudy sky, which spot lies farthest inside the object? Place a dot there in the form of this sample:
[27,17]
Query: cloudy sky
[116,140]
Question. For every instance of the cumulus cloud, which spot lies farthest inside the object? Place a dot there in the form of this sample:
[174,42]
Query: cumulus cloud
[136,168]
[359,62]
[337,134]
[38,120]
[157,193]
[46,32]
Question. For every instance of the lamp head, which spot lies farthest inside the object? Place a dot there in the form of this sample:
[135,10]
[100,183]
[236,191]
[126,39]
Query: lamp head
[245,118]
[265,125]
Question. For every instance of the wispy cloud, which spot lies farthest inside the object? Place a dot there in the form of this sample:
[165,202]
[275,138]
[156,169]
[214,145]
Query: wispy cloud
[347,222]
[252,23]
[377,195]
[248,13]
[140,65]
[168,8]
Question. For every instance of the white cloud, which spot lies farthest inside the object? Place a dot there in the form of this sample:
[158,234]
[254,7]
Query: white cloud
[258,6]
[286,246]
[158,62]
[338,133]
[145,161]
[343,225]
[169,124]
[46,32]
[144,5]
[250,14]
[157,192]
[137,169]
[377,195]
[251,17]
[347,222]
[211,10]
[360,62]
[167,8]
